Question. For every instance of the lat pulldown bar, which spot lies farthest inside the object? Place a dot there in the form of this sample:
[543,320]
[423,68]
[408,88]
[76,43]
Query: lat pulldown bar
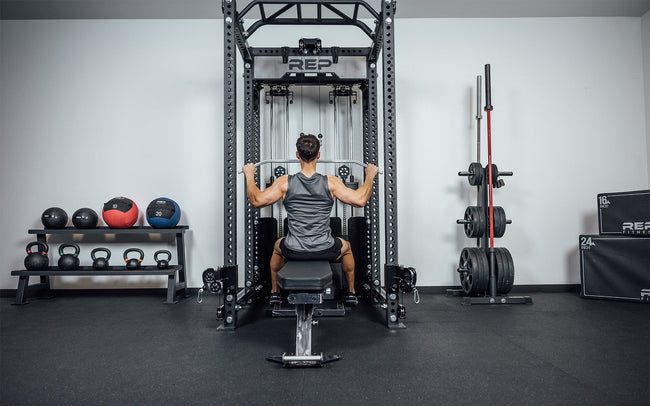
[325,161]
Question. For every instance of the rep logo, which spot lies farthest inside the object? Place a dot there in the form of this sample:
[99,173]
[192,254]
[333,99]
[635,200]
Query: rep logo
[645,295]
[309,64]
[636,227]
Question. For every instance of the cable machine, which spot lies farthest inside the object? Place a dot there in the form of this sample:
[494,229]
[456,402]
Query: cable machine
[347,71]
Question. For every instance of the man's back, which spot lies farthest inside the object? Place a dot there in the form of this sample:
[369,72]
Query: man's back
[308,203]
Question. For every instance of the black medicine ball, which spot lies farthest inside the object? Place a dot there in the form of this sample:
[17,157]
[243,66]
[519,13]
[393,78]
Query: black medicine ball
[54,217]
[85,218]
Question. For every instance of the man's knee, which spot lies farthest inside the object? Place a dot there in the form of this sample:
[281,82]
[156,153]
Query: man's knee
[345,246]
[346,249]
[276,247]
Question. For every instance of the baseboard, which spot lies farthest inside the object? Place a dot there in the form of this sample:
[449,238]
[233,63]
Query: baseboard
[518,289]
[99,292]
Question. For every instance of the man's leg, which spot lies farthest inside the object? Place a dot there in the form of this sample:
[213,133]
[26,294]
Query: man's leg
[277,262]
[347,264]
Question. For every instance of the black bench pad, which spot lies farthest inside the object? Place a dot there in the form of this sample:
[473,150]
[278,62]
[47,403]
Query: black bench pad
[305,275]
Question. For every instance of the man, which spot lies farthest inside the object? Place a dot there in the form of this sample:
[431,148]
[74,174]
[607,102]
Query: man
[308,199]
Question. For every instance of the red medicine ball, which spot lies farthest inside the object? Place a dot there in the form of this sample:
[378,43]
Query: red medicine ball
[120,212]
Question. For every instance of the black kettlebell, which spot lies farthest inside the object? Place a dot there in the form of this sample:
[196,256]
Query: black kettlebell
[133,263]
[100,262]
[69,261]
[162,263]
[37,260]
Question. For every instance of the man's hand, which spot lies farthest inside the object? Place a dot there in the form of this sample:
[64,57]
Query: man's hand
[249,169]
[371,171]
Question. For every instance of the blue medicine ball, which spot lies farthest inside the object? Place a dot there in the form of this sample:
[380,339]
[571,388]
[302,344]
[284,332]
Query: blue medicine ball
[163,213]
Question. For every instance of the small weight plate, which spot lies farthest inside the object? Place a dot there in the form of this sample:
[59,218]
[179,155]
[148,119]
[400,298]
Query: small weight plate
[499,221]
[475,227]
[476,174]
[495,175]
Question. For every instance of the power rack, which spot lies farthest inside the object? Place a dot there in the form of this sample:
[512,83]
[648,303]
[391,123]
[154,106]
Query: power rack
[310,64]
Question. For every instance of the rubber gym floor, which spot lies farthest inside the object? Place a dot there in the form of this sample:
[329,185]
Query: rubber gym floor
[130,349]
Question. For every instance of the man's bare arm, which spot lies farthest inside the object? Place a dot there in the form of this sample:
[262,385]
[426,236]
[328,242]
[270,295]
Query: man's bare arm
[358,197]
[270,195]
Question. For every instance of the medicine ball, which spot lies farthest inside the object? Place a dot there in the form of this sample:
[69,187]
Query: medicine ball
[54,217]
[120,212]
[163,213]
[85,218]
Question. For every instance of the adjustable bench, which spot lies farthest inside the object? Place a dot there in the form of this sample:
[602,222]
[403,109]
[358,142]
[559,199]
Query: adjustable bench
[305,281]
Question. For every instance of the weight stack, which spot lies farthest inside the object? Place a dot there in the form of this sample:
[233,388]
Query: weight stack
[624,213]
[268,234]
[615,267]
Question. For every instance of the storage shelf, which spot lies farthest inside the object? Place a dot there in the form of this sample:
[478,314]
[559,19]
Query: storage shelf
[109,230]
[90,271]
[173,286]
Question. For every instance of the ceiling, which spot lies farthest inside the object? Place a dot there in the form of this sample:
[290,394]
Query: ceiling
[188,9]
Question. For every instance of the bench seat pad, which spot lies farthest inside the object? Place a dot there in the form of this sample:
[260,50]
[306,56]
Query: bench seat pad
[305,275]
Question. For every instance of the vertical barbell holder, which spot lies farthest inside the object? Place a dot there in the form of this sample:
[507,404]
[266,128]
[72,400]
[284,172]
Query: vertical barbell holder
[488,109]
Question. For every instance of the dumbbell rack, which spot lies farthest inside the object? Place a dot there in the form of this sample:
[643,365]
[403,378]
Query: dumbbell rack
[486,273]
[173,285]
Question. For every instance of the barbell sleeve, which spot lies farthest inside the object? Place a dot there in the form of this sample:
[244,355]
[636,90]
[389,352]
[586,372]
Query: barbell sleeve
[488,89]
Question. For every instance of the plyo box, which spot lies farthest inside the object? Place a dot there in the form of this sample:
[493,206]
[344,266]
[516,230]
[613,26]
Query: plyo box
[615,267]
[624,213]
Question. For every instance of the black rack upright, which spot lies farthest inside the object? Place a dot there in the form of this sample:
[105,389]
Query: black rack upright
[308,72]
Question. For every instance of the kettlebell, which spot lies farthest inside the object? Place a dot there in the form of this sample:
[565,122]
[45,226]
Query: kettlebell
[100,262]
[37,260]
[68,261]
[133,263]
[162,263]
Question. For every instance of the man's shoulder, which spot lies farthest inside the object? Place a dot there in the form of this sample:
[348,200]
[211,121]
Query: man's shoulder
[333,180]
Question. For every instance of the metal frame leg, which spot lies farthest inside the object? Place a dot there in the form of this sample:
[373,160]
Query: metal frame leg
[303,356]
[304,318]
[171,289]
[23,283]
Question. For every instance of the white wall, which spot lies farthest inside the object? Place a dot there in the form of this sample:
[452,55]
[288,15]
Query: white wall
[101,108]
[645,29]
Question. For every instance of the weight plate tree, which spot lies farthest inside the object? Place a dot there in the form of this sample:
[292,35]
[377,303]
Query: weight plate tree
[486,273]
[313,65]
